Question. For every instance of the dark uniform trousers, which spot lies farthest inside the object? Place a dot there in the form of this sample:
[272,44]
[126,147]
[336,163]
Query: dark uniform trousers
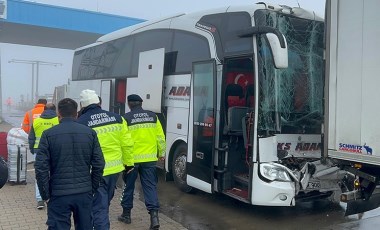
[60,209]
[102,201]
[148,178]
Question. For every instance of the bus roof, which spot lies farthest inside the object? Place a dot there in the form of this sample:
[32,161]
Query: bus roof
[196,16]
[128,30]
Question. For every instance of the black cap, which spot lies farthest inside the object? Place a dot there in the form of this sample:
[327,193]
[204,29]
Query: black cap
[134,97]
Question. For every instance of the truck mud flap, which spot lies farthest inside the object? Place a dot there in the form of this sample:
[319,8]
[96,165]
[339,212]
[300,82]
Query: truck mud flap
[360,206]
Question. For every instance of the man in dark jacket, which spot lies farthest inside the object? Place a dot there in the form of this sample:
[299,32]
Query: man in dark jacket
[47,120]
[69,165]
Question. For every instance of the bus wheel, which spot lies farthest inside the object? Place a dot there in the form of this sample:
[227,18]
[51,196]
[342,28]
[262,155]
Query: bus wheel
[179,168]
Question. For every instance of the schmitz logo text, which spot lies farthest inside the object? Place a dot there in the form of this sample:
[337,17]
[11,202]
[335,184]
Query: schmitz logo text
[362,149]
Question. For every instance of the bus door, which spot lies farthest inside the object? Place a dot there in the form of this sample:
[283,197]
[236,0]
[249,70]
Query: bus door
[148,84]
[120,97]
[201,138]
[238,122]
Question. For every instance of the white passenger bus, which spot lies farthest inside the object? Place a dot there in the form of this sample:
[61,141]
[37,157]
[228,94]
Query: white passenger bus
[239,90]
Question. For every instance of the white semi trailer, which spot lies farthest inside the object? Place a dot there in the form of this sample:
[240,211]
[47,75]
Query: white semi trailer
[352,95]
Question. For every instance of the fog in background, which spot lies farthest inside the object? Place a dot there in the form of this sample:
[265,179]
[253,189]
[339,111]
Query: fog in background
[16,78]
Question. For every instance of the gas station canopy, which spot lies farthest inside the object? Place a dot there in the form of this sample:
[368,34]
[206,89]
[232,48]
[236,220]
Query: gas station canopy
[30,23]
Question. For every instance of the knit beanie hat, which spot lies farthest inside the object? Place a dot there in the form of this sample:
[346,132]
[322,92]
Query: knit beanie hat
[88,97]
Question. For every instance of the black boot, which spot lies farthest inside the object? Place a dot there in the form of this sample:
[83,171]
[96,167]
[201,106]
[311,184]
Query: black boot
[125,217]
[154,223]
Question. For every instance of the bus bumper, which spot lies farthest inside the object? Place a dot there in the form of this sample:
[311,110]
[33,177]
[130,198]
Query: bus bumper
[273,193]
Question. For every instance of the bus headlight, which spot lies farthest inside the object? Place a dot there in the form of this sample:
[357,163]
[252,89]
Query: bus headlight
[274,172]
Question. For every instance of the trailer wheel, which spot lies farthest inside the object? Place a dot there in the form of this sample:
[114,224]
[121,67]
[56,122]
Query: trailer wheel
[179,168]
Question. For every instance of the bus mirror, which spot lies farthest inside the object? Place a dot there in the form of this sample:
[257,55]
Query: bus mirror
[276,40]
[280,53]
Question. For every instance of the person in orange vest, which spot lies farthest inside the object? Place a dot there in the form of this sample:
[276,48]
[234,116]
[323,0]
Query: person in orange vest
[9,103]
[33,114]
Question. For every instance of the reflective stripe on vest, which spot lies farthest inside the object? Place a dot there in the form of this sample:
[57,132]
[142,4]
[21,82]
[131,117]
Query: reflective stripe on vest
[147,156]
[114,163]
[107,129]
[37,142]
[143,126]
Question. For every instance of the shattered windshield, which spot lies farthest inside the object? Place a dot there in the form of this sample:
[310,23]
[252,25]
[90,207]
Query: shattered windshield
[291,99]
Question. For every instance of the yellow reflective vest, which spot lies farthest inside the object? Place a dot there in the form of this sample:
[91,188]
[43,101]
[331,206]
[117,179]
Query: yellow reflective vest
[147,134]
[114,138]
[39,126]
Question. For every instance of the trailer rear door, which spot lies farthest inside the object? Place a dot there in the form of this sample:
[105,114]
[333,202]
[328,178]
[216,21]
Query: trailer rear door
[353,73]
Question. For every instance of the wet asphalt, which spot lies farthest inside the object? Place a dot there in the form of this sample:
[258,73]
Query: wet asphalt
[203,211]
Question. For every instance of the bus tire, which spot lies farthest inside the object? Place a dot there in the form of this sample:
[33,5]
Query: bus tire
[179,168]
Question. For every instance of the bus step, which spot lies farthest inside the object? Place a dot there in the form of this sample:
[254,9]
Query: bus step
[237,193]
[242,179]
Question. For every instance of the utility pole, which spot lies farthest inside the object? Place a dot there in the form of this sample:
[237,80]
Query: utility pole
[32,93]
[35,94]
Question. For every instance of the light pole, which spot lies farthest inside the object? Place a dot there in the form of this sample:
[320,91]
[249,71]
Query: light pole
[37,63]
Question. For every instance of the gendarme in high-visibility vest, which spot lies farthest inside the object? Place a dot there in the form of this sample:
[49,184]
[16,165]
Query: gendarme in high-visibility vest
[40,125]
[114,137]
[147,134]
[47,120]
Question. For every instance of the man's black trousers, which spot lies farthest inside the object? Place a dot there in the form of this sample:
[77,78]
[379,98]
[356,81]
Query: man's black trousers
[60,209]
